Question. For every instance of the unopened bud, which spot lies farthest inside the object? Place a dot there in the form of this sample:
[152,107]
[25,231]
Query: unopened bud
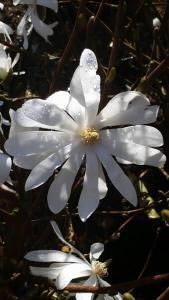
[128,296]
[156,23]
[165,215]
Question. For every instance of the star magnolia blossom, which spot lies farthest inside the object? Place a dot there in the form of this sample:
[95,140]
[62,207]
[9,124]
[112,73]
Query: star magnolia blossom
[31,15]
[66,267]
[76,132]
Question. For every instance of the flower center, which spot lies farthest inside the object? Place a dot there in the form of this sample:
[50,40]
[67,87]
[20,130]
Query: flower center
[99,268]
[89,135]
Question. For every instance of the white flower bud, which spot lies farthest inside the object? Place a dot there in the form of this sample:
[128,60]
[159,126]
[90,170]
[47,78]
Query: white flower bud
[156,23]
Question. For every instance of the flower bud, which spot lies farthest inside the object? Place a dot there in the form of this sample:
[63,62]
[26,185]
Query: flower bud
[156,23]
[128,296]
[165,215]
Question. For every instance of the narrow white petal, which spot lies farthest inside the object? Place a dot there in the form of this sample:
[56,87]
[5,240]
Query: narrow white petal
[44,114]
[76,90]
[5,167]
[89,198]
[127,108]
[45,168]
[121,182]
[51,256]
[60,236]
[16,59]
[50,272]
[60,188]
[91,281]
[90,83]
[34,142]
[96,250]
[102,186]
[70,272]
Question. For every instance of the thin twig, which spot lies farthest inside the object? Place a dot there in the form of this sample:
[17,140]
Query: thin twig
[68,49]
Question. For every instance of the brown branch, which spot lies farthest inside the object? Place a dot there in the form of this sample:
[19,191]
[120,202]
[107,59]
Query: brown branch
[69,47]
[122,287]
[116,39]
[164,295]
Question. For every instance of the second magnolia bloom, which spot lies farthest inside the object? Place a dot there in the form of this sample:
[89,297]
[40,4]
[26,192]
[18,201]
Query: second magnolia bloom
[78,132]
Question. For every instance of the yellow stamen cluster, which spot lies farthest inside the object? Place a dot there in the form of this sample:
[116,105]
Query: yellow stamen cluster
[89,135]
[99,268]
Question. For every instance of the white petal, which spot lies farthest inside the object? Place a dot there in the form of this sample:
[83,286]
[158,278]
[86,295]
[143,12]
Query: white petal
[96,250]
[5,167]
[44,114]
[34,142]
[91,281]
[29,162]
[89,198]
[70,272]
[90,83]
[139,134]
[127,108]
[50,272]
[60,236]
[15,127]
[102,186]
[76,90]
[121,144]
[51,256]
[117,176]
[61,99]
[65,101]
[77,112]
[45,168]
[60,188]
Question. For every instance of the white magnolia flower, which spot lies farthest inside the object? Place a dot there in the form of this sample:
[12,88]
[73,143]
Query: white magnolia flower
[66,267]
[6,63]
[77,131]
[31,17]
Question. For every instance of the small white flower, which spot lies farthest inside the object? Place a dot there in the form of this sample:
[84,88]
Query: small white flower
[156,23]
[31,19]
[66,267]
[6,63]
[77,131]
